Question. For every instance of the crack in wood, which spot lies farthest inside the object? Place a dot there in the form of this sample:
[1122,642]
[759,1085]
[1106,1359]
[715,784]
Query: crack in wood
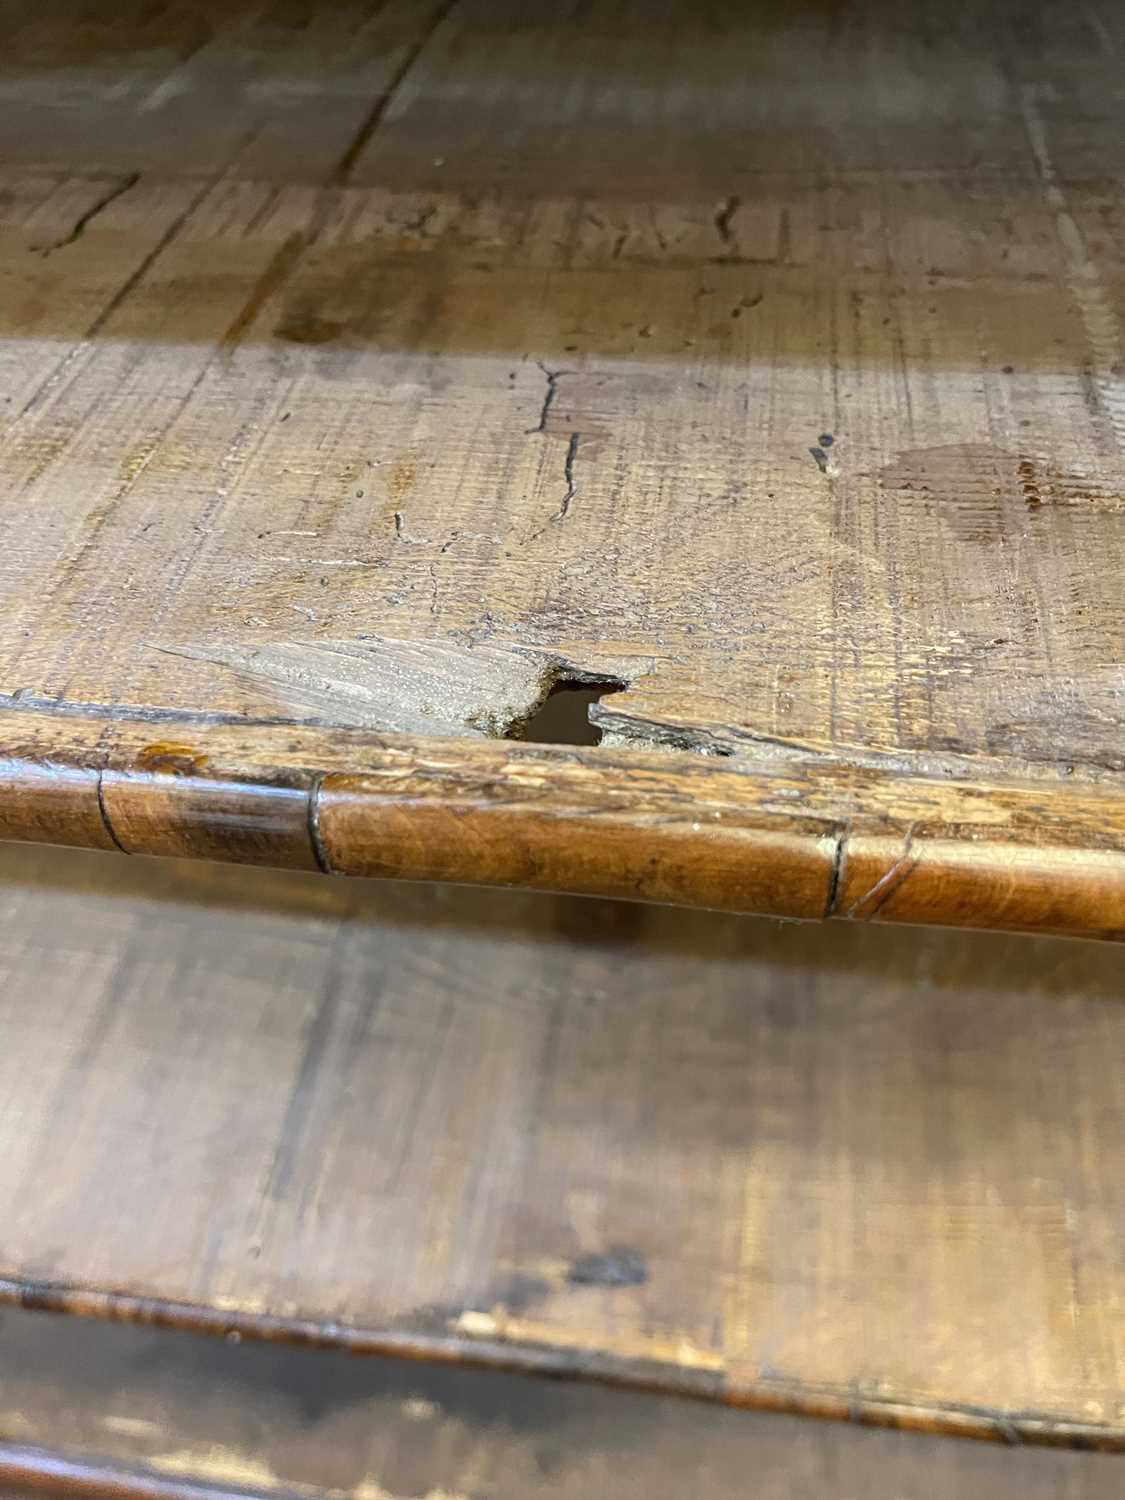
[82,223]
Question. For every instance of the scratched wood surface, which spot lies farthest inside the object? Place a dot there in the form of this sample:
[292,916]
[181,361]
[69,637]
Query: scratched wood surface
[837,1171]
[86,1408]
[375,365]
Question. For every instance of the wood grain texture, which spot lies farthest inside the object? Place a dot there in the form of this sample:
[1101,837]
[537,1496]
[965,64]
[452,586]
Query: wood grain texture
[807,838]
[90,1409]
[870,1176]
[375,366]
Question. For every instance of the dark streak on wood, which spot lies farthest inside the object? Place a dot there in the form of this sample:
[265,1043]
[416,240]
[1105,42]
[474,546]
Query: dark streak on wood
[346,165]
[272,279]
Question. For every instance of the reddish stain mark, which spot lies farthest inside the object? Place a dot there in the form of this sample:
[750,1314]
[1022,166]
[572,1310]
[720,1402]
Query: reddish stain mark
[982,493]
[967,480]
[402,478]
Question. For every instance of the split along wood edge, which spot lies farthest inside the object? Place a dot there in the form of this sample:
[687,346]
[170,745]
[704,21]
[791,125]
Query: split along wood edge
[800,837]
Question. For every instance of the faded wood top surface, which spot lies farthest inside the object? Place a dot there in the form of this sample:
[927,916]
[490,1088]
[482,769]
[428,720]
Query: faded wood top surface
[374,366]
[853,1173]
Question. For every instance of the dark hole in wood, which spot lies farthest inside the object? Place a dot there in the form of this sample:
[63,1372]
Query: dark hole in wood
[564,718]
